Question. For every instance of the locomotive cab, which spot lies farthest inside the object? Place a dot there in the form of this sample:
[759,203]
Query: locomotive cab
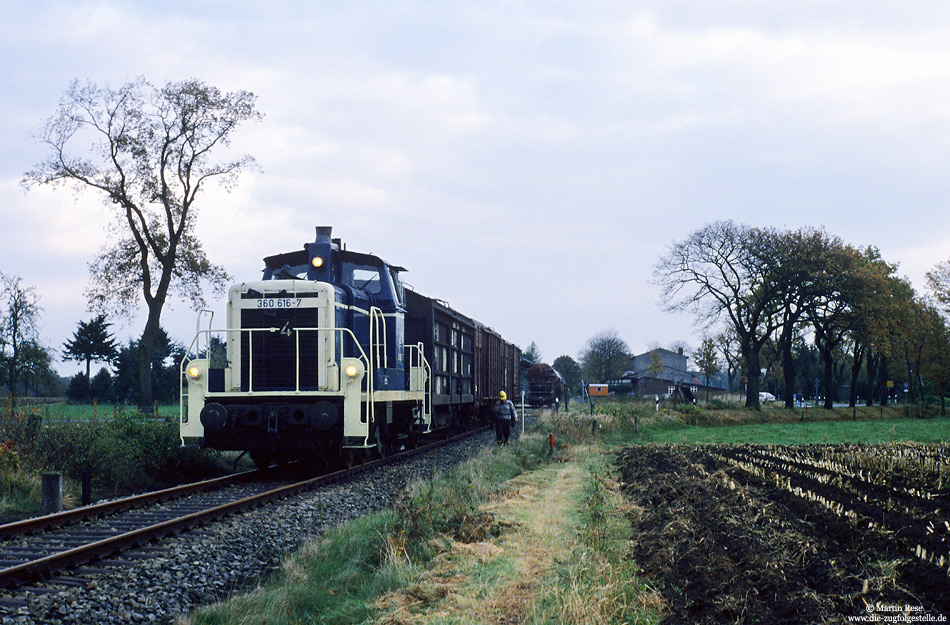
[369,295]
[315,360]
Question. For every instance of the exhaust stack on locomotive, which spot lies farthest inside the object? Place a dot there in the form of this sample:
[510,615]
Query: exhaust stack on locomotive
[328,352]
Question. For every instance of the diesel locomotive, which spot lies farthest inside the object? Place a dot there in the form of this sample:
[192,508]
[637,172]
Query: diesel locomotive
[330,355]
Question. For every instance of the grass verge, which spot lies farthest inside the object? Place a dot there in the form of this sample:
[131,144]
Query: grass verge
[595,580]
[511,536]
[340,578]
[617,424]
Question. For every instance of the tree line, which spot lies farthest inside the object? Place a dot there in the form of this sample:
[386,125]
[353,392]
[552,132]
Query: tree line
[26,362]
[771,296]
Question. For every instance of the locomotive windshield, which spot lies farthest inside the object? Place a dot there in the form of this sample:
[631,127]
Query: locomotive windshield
[397,287]
[363,277]
[290,272]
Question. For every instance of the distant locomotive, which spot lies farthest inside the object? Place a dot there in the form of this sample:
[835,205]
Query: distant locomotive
[329,354]
[545,385]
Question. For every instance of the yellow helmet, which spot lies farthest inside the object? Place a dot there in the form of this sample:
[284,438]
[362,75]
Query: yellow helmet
[502,395]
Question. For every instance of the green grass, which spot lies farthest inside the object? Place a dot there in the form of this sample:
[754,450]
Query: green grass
[86,412]
[932,430]
[19,494]
[597,581]
[332,581]
[732,424]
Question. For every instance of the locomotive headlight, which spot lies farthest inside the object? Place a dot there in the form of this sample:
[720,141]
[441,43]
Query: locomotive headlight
[317,262]
[194,372]
[352,371]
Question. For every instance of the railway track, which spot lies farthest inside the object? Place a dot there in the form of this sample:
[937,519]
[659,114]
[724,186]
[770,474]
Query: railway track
[37,549]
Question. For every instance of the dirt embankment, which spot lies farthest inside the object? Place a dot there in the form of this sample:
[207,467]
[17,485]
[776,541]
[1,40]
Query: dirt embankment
[762,535]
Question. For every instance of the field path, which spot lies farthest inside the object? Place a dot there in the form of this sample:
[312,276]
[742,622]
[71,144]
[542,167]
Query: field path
[496,581]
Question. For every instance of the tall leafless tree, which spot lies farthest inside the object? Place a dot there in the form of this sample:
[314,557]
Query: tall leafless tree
[148,153]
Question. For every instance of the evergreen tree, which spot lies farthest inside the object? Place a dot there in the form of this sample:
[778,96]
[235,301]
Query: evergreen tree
[91,342]
[101,386]
[571,372]
[78,388]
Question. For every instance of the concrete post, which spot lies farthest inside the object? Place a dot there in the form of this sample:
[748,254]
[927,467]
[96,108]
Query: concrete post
[52,492]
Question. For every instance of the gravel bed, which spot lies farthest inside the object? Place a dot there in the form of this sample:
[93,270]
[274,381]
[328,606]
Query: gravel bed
[220,559]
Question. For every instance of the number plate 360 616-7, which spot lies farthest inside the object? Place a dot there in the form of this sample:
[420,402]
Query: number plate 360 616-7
[279,302]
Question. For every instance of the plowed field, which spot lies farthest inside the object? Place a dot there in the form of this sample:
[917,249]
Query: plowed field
[817,534]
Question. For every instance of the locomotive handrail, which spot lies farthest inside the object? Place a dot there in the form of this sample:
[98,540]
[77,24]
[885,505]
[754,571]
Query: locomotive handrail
[377,328]
[417,360]
[192,354]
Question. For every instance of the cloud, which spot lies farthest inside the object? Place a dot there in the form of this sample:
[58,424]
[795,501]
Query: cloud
[526,161]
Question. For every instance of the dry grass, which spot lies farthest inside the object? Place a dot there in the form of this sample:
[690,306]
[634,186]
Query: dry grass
[495,582]
[518,576]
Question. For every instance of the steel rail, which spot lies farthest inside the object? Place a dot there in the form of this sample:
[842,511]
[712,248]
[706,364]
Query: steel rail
[85,513]
[45,567]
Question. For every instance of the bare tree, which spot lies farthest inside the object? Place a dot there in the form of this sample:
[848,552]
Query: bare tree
[728,345]
[147,152]
[724,270]
[18,330]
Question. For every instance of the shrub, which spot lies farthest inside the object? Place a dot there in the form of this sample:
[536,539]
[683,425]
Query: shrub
[125,454]
[19,494]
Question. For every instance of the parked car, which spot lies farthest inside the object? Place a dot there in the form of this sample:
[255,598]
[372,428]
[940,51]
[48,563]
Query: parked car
[766,397]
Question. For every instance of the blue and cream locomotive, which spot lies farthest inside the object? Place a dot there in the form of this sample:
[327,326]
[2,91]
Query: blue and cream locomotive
[329,353]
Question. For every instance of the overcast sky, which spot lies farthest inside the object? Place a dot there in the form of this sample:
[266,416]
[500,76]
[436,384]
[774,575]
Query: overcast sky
[527,162]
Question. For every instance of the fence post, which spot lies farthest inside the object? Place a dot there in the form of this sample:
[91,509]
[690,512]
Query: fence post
[52,492]
[86,486]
